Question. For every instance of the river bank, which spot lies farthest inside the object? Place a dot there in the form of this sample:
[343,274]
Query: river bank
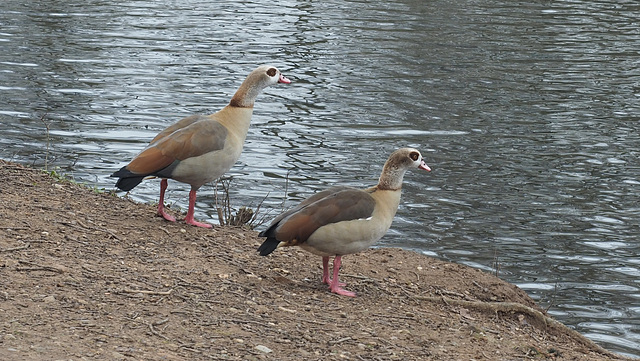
[86,275]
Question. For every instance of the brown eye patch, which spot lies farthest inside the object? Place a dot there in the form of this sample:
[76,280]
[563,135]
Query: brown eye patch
[271,72]
[414,156]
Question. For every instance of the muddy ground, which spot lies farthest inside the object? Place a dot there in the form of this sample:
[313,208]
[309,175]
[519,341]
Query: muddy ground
[86,275]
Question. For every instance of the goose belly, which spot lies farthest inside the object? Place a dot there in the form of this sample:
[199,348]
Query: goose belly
[345,237]
[205,168]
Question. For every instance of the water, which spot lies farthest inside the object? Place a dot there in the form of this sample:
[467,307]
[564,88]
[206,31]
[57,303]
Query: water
[526,111]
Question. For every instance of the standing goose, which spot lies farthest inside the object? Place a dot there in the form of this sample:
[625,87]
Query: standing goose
[199,148]
[343,220]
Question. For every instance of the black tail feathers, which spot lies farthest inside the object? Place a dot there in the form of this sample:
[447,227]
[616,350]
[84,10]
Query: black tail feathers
[268,246]
[128,180]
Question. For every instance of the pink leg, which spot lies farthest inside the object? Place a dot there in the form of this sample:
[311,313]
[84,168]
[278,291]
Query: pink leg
[192,205]
[325,270]
[335,285]
[161,212]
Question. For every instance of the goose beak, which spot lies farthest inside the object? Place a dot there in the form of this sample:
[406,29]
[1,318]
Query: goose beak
[424,166]
[283,79]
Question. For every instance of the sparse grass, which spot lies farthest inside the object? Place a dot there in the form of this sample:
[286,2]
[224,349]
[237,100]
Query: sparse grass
[65,178]
[46,155]
[244,216]
[496,263]
[55,173]
[553,297]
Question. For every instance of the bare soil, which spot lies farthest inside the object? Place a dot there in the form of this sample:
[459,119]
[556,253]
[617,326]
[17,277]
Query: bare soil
[90,276]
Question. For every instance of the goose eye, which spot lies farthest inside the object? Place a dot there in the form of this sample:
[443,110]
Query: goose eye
[414,156]
[272,72]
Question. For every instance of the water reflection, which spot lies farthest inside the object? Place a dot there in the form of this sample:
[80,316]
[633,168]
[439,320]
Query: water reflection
[527,113]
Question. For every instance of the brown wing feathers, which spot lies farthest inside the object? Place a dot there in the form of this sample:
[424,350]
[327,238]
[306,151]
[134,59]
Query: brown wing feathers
[181,124]
[191,137]
[331,206]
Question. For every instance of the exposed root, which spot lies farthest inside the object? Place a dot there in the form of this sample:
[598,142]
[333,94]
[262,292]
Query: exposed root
[511,307]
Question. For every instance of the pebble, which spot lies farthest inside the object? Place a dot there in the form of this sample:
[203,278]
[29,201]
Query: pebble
[117,355]
[264,349]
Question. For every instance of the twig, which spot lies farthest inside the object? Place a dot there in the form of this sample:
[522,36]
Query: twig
[99,229]
[254,218]
[340,340]
[286,189]
[451,293]
[86,268]
[224,206]
[189,348]
[15,248]
[475,283]
[9,227]
[235,320]
[220,216]
[553,297]
[161,322]
[496,262]
[395,316]
[358,277]
[153,330]
[145,292]
[185,283]
[37,267]
[311,321]
[85,227]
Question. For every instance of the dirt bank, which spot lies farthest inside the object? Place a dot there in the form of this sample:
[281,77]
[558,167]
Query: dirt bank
[90,276]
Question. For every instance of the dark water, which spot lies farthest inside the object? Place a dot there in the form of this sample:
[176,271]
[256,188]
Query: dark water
[526,111]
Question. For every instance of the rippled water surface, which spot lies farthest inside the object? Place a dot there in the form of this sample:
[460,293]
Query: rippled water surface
[526,111]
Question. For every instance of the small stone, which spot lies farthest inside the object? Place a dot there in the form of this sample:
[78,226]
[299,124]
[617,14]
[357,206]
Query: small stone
[264,349]
[49,299]
[117,355]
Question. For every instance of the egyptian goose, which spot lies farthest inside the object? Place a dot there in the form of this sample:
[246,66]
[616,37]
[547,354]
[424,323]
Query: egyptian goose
[343,220]
[199,148]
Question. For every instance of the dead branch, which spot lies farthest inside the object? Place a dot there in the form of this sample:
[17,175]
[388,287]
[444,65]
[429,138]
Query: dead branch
[37,267]
[513,307]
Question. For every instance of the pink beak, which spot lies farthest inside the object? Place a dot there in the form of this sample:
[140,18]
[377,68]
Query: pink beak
[283,79]
[424,166]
